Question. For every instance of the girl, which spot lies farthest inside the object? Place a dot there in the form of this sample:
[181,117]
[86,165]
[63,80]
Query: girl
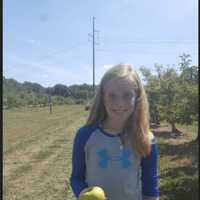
[115,150]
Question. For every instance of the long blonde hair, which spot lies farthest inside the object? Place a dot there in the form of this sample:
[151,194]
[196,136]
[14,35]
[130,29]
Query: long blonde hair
[137,126]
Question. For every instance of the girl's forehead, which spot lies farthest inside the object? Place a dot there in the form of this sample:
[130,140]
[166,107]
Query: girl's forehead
[119,85]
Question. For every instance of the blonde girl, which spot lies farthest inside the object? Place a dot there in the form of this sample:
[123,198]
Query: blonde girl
[115,149]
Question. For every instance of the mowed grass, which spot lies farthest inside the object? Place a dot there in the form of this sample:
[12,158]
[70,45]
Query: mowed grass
[37,149]
[38,145]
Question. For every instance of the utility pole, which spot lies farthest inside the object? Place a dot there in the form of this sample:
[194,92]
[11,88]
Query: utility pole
[93,50]
[93,44]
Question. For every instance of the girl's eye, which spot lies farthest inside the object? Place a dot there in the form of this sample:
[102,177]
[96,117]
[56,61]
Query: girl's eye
[113,96]
[128,95]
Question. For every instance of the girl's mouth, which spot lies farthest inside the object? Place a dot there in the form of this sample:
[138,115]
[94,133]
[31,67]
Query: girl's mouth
[119,111]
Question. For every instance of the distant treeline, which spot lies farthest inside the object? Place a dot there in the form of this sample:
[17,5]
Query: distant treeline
[17,94]
[172,93]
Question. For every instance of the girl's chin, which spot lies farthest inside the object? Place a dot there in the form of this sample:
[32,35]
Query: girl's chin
[119,114]
[119,117]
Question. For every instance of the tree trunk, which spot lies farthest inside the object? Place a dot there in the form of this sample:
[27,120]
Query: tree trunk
[174,129]
[196,140]
[157,121]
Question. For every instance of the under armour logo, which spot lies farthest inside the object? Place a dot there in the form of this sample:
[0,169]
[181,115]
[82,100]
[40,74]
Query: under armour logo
[105,158]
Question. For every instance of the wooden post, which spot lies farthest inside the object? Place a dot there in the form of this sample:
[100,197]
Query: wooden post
[50,104]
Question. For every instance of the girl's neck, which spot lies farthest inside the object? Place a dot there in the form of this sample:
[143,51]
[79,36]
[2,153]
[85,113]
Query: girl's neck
[112,126]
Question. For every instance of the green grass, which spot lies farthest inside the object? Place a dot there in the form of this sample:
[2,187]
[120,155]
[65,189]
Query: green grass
[37,151]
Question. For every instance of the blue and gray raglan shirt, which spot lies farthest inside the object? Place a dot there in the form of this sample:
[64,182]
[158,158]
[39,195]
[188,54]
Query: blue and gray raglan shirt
[100,159]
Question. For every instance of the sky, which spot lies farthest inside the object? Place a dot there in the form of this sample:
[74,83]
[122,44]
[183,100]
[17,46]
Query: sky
[49,41]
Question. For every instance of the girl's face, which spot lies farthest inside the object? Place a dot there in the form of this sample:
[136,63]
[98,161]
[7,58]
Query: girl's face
[119,99]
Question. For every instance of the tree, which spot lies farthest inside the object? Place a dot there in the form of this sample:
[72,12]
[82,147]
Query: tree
[152,90]
[171,98]
[189,87]
[185,61]
[12,102]
[60,90]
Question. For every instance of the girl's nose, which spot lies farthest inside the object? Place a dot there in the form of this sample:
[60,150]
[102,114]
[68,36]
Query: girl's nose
[120,101]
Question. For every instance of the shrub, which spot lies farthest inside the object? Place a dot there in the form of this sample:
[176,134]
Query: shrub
[181,188]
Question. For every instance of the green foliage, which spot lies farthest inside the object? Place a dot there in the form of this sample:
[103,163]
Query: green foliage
[59,100]
[185,61]
[12,102]
[173,96]
[84,91]
[60,90]
[69,100]
[168,99]
[180,188]
[153,92]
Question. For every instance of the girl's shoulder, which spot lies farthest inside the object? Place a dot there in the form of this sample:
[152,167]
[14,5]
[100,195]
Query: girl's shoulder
[87,128]
[85,131]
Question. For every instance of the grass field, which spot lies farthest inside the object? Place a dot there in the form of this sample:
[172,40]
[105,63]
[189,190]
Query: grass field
[37,149]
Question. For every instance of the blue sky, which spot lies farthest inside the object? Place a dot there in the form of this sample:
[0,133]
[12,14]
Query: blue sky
[47,41]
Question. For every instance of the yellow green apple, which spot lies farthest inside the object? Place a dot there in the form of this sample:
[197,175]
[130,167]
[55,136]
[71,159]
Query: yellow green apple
[93,193]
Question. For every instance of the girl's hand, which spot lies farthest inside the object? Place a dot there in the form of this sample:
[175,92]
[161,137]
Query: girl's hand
[93,192]
[85,190]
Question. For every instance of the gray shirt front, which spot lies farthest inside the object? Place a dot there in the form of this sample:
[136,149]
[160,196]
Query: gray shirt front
[113,166]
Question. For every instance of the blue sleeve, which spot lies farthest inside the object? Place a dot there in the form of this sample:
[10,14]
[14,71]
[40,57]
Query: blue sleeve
[149,173]
[77,180]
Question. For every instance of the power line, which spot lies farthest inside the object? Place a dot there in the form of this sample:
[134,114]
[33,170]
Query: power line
[147,41]
[139,52]
[64,50]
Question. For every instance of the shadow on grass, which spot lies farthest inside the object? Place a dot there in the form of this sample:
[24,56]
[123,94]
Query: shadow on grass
[162,134]
[179,171]
[153,125]
[187,149]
